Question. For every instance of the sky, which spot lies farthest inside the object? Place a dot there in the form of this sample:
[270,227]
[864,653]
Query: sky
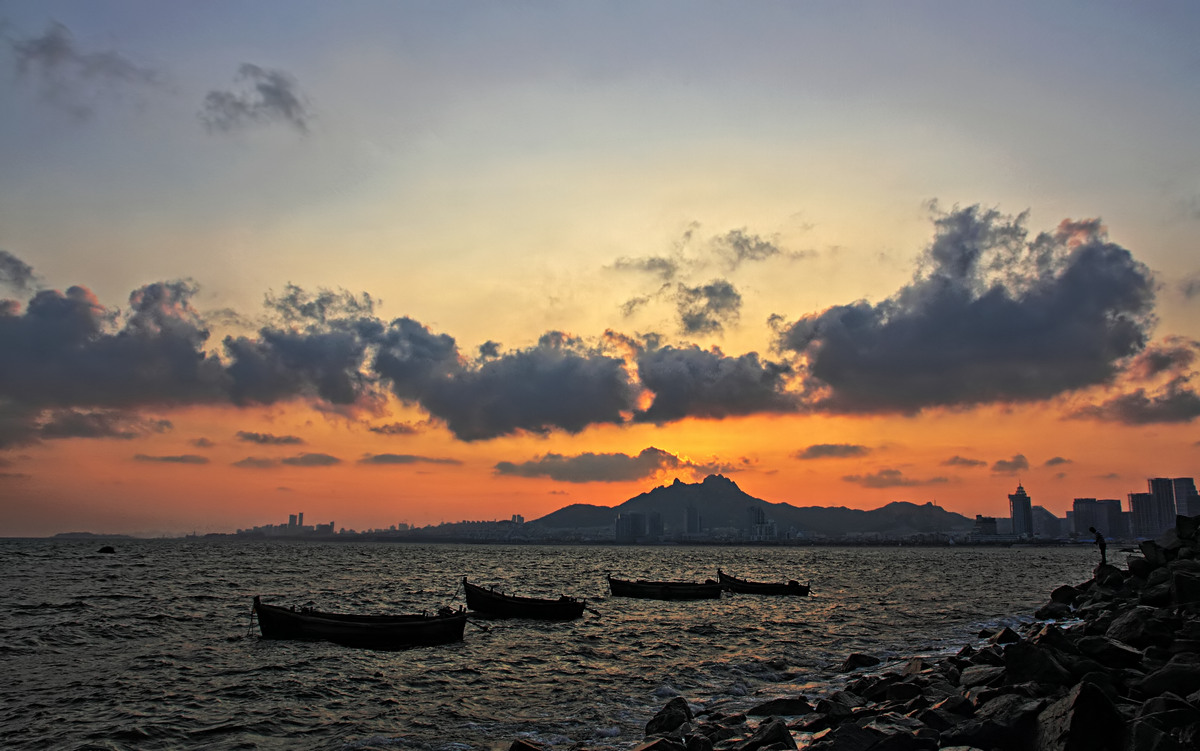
[426,262]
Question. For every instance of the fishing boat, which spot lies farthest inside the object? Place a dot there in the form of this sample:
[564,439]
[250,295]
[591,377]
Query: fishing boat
[367,631]
[496,604]
[664,590]
[742,586]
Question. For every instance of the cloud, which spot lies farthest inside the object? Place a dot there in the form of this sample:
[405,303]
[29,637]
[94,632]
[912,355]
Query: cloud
[1056,461]
[395,428]
[311,460]
[1176,402]
[989,317]
[267,439]
[406,459]
[1173,355]
[68,350]
[739,246]
[891,478]
[256,462]
[832,451]
[691,382]
[616,467]
[99,424]
[15,273]
[1189,286]
[72,79]
[265,96]
[181,459]
[1010,466]
[960,461]
[708,308]
[202,443]
[664,269]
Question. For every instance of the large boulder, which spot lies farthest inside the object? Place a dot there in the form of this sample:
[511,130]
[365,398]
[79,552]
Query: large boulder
[1109,652]
[858,660]
[671,716]
[783,706]
[1028,662]
[1139,627]
[772,733]
[1083,720]
[1180,678]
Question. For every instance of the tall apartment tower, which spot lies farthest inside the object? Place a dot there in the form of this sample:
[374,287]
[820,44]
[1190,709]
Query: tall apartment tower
[1020,507]
[1187,503]
[1143,514]
[1163,490]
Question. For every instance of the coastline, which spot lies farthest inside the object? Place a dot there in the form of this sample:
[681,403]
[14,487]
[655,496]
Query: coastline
[1112,663]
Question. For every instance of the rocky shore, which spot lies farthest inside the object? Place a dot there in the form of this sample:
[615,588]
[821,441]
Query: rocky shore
[1112,664]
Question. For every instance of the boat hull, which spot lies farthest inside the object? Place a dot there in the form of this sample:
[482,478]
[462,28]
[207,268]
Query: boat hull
[741,586]
[493,604]
[364,631]
[664,590]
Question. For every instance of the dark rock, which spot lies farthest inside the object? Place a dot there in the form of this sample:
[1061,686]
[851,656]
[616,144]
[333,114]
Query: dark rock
[990,655]
[938,719]
[1083,720]
[987,734]
[1187,527]
[1109,652]
[1053,611]
[1066,594]
[698,742]
[1168,711]
[1185,588]
[660,744]
[1139,566]
[1105,681]
[848,737]
[523,745]
[858,660]
[1158,576]
[811,723]
[1028,662]
[1154,553]
[1145,736]
[1178,678]
[1138,627]
[902,692]
[958,705]
[1005,636]
[1055,638]
[776,707]
[107,550]
[966,652]
[981,675]
[671,716]
[1157,596]
[769,733]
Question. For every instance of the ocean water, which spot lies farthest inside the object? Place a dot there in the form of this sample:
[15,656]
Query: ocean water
[151,648]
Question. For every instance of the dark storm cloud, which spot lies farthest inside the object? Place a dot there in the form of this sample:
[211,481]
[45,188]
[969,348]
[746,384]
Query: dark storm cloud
[489,349]
[1190,286]
[1056,461]
[962,461]
[15,273]
[395,428]
[557,384]
[891,478]
[325,306]
[256,462]
[708,308]
[70,78]
[991,317]
[691,382]
[68,350]
[832,451]
[66,423]
[311,460]
[180,459]
[267,439]
[264,96]
[286,364]
[18,425]
[406,459]
[1010,466]
[1175,402]
[617,467]
[1174,355]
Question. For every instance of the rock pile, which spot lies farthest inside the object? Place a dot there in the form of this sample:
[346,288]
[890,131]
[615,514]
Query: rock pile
[1111,664]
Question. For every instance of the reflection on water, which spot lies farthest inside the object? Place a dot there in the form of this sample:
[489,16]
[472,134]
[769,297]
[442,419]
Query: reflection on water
[151,648]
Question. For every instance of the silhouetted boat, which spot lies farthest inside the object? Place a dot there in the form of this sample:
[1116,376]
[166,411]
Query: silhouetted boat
[741,586]
[499,605]
[664,590]
[368,631]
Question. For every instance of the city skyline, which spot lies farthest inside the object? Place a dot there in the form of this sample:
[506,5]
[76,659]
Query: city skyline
[460,261]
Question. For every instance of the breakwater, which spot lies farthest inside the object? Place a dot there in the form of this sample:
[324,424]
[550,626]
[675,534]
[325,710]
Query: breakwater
[1109,664]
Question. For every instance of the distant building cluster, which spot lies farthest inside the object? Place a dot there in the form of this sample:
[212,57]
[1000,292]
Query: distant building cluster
[295,527]
[1146,514]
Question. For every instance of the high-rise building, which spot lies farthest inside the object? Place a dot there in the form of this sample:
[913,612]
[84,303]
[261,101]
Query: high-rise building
[300,520]
[1163,490]
[1045,524]
[1021,512]
[1187,502]
[1144,516]
[630,527]
[692,523]
[291,520]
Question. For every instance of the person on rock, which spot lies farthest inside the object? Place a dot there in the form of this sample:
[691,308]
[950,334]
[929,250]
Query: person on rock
[1099,541]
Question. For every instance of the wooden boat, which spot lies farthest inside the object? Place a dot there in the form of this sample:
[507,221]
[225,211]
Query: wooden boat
[741,586]
[368,631]
[493,603]
[664,590]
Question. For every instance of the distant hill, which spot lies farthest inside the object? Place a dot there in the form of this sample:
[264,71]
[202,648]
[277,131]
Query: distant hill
[722,503]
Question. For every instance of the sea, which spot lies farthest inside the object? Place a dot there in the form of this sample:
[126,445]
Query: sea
[153,647]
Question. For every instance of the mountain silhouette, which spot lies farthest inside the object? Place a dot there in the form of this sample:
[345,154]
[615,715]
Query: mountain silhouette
[722,504]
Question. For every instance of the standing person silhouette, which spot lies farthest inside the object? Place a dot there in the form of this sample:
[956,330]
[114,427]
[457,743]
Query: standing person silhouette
[1099,541]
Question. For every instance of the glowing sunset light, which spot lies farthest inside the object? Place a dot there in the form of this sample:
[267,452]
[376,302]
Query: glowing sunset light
[390,272]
